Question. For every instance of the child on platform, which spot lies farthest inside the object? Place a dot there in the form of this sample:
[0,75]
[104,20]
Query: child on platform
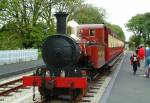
[134,62]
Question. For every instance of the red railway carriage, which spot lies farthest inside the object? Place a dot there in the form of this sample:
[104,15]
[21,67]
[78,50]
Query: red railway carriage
[105,46]
[72,59]
[93,35]
[114,46]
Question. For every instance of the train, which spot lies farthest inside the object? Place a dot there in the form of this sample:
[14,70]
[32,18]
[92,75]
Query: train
[73,57]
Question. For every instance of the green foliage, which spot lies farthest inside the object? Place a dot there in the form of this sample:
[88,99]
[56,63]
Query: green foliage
[135,24]
[140,26]
[32,38]
[67,5]
[30,20]
[88,14]
[135,41]
[10,41]
[37,35]
[118,30]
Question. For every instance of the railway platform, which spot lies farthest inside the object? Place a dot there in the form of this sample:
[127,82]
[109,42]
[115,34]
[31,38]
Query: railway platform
[17,68]
[129,88]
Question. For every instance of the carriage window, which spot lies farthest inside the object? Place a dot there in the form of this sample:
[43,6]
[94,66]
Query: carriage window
[92,32]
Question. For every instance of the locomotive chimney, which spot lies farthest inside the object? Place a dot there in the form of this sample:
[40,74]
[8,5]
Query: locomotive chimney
[61,22]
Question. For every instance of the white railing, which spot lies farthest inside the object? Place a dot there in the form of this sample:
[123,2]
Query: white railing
[15,56]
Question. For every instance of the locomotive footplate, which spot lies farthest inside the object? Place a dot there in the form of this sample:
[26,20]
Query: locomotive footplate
[58,82]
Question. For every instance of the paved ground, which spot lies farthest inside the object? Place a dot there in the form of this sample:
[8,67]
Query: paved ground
[129,88]
[9,69]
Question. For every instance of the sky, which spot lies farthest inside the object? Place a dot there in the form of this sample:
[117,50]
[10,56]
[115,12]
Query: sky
[120,11]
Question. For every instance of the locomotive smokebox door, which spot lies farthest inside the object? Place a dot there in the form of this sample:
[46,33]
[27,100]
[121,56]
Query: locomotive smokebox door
[60,51]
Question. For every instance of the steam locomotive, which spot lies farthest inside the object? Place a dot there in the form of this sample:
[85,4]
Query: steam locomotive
[74,57]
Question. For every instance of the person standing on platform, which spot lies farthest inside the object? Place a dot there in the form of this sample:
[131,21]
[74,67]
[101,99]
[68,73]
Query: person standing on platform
[141,56]
[137,50]
[147,61]
[134,62]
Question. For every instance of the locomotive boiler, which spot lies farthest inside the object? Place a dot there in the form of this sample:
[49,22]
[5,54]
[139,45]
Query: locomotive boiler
[73,57]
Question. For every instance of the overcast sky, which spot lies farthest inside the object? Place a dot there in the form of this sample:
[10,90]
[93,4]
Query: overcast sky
[120,11]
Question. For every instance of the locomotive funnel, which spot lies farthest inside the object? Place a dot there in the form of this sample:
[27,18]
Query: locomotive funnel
[61,22]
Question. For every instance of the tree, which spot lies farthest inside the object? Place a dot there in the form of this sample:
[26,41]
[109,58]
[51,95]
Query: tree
[67,5]
[88,14]
[140,26]
[135,41]
[26,15]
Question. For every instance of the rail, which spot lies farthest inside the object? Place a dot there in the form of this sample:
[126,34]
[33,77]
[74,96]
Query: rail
[10,86]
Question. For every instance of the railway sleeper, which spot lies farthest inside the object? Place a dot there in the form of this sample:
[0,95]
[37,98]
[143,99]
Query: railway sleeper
[98,85]
[86,99]
[92,91]
[94,88]
[89,95]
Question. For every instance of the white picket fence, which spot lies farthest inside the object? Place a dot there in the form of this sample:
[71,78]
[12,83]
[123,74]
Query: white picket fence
[15,56]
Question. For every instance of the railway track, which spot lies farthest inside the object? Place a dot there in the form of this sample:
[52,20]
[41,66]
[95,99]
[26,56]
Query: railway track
[10,89]
[12,86]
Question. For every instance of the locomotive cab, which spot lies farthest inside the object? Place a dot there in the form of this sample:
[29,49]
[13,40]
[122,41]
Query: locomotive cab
[92,40]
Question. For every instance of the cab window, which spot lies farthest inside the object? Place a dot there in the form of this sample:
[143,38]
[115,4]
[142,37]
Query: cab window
[92,32]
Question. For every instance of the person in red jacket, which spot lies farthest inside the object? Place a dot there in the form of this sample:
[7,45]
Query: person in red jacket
[141,53]
[141,56]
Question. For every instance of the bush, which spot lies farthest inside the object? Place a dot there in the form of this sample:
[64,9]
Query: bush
[10,41]
[14,37]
